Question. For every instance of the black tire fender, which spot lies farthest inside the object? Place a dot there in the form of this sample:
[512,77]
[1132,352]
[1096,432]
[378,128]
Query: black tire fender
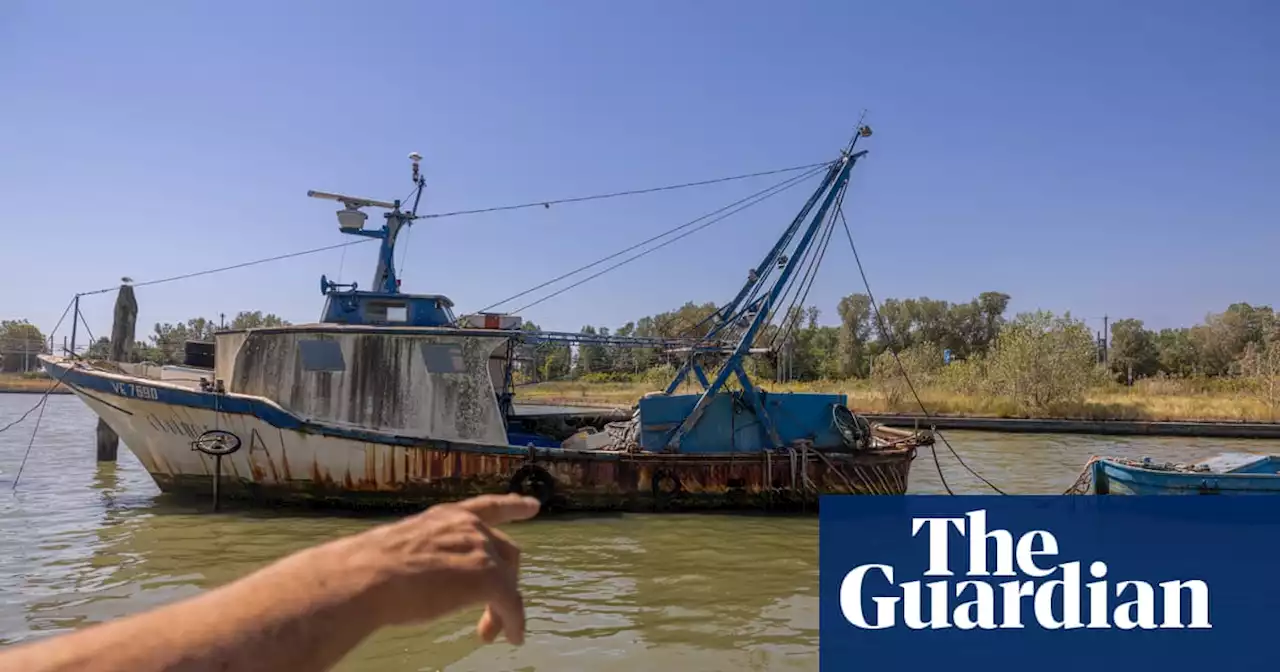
[533,481]
[665,484]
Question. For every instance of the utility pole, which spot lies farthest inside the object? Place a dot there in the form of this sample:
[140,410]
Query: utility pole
[1106,340]
[75,321]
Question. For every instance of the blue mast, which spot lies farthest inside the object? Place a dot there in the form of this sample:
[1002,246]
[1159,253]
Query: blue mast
[761,309]
[351,221]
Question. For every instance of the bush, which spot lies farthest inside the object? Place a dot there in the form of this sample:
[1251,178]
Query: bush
[919,364]
[1042,361]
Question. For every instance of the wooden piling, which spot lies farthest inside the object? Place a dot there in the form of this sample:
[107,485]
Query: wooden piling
[123,331]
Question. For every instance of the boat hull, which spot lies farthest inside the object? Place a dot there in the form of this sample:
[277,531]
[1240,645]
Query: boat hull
[1116,478]
[282,459]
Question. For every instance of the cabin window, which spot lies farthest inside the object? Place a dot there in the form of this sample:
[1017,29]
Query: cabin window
[321,356]
[382,311]
[445,310]
[443,357]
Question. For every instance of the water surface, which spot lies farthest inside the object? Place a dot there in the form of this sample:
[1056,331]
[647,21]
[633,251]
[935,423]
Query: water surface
[81,543]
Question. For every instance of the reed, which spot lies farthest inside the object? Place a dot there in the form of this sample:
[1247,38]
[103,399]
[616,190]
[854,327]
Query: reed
[1174,400]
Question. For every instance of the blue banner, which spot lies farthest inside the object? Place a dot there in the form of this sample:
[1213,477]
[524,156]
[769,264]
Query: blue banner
[1048,583]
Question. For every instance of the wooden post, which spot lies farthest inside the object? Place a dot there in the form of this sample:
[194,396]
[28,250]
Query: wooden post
[123,331]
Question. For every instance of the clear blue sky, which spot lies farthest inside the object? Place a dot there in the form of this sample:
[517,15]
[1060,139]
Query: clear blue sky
[1112,158]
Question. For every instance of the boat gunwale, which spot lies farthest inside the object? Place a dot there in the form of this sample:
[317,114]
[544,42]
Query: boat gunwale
[1169,473]
[405,330]
[293,422]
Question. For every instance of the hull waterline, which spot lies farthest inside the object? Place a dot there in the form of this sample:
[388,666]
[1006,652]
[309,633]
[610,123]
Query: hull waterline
[285,459]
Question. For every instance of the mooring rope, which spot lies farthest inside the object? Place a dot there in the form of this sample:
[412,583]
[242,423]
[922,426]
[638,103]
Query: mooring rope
[30,443]
[884,331]
[1085,480]
[56,382]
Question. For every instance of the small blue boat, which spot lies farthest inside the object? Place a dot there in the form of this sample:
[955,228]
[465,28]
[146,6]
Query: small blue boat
[1225,474]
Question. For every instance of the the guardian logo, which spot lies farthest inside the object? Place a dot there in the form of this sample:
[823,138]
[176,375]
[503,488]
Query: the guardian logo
[1060,602]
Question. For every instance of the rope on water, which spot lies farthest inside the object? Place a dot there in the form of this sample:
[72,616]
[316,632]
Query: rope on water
[30,443]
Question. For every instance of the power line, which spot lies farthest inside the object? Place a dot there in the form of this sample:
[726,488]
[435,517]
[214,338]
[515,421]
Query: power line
[884,331]
[759,196]
[633,192]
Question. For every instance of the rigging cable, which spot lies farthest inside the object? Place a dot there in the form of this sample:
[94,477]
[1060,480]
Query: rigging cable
[764,273]
[758,196]
[85,322]
[903,370]
[811,271]
[791,181]
[255,262]
[404,251]
[39,404]
[633,192]
[811,275]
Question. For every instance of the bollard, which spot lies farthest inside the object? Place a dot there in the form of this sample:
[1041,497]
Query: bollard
[123,329]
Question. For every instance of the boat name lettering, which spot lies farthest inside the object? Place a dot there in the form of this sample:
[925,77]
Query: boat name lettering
[1063,603]
[139,391]
[175,427]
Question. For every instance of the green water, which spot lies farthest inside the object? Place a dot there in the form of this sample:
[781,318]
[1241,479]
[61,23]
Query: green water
[81,543]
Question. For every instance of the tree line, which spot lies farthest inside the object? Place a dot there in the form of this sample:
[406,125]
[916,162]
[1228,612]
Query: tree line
[806,349]
[1242,341]
[21,341]
[1037,357]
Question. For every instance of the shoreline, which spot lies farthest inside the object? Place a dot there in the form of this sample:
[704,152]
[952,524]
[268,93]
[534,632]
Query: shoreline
[30,386]
[1223,429]
[1215,429]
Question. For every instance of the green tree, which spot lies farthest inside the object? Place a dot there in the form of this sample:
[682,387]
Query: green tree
[1222,339]
[1178,353]
[854,334]
[20,342]
[1133,352]
[256,320]
[99,349]
[1042,359]
[1260,366]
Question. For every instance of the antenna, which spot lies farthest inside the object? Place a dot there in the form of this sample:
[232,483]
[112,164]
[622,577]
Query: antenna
[352,202]
[350,218]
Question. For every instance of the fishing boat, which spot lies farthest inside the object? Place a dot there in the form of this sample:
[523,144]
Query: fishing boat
[1224,474]
[392,400]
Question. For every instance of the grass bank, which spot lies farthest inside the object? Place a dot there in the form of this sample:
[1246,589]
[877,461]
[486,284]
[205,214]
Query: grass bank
[28,383]
[1147,401]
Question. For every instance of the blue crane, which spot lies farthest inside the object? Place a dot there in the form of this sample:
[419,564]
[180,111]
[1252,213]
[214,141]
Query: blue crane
[677,422]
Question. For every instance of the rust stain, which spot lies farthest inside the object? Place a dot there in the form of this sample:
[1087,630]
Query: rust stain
[370,476]
[284,458]
[255,439]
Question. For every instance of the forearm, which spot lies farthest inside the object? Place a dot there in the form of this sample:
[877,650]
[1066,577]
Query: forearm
[302,613]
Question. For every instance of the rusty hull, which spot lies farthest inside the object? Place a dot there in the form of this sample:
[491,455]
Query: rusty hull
[414,478]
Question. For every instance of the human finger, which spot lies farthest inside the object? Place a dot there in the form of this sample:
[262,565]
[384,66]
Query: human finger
[506,549]
[501,509]
[489,625]
[507,609]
